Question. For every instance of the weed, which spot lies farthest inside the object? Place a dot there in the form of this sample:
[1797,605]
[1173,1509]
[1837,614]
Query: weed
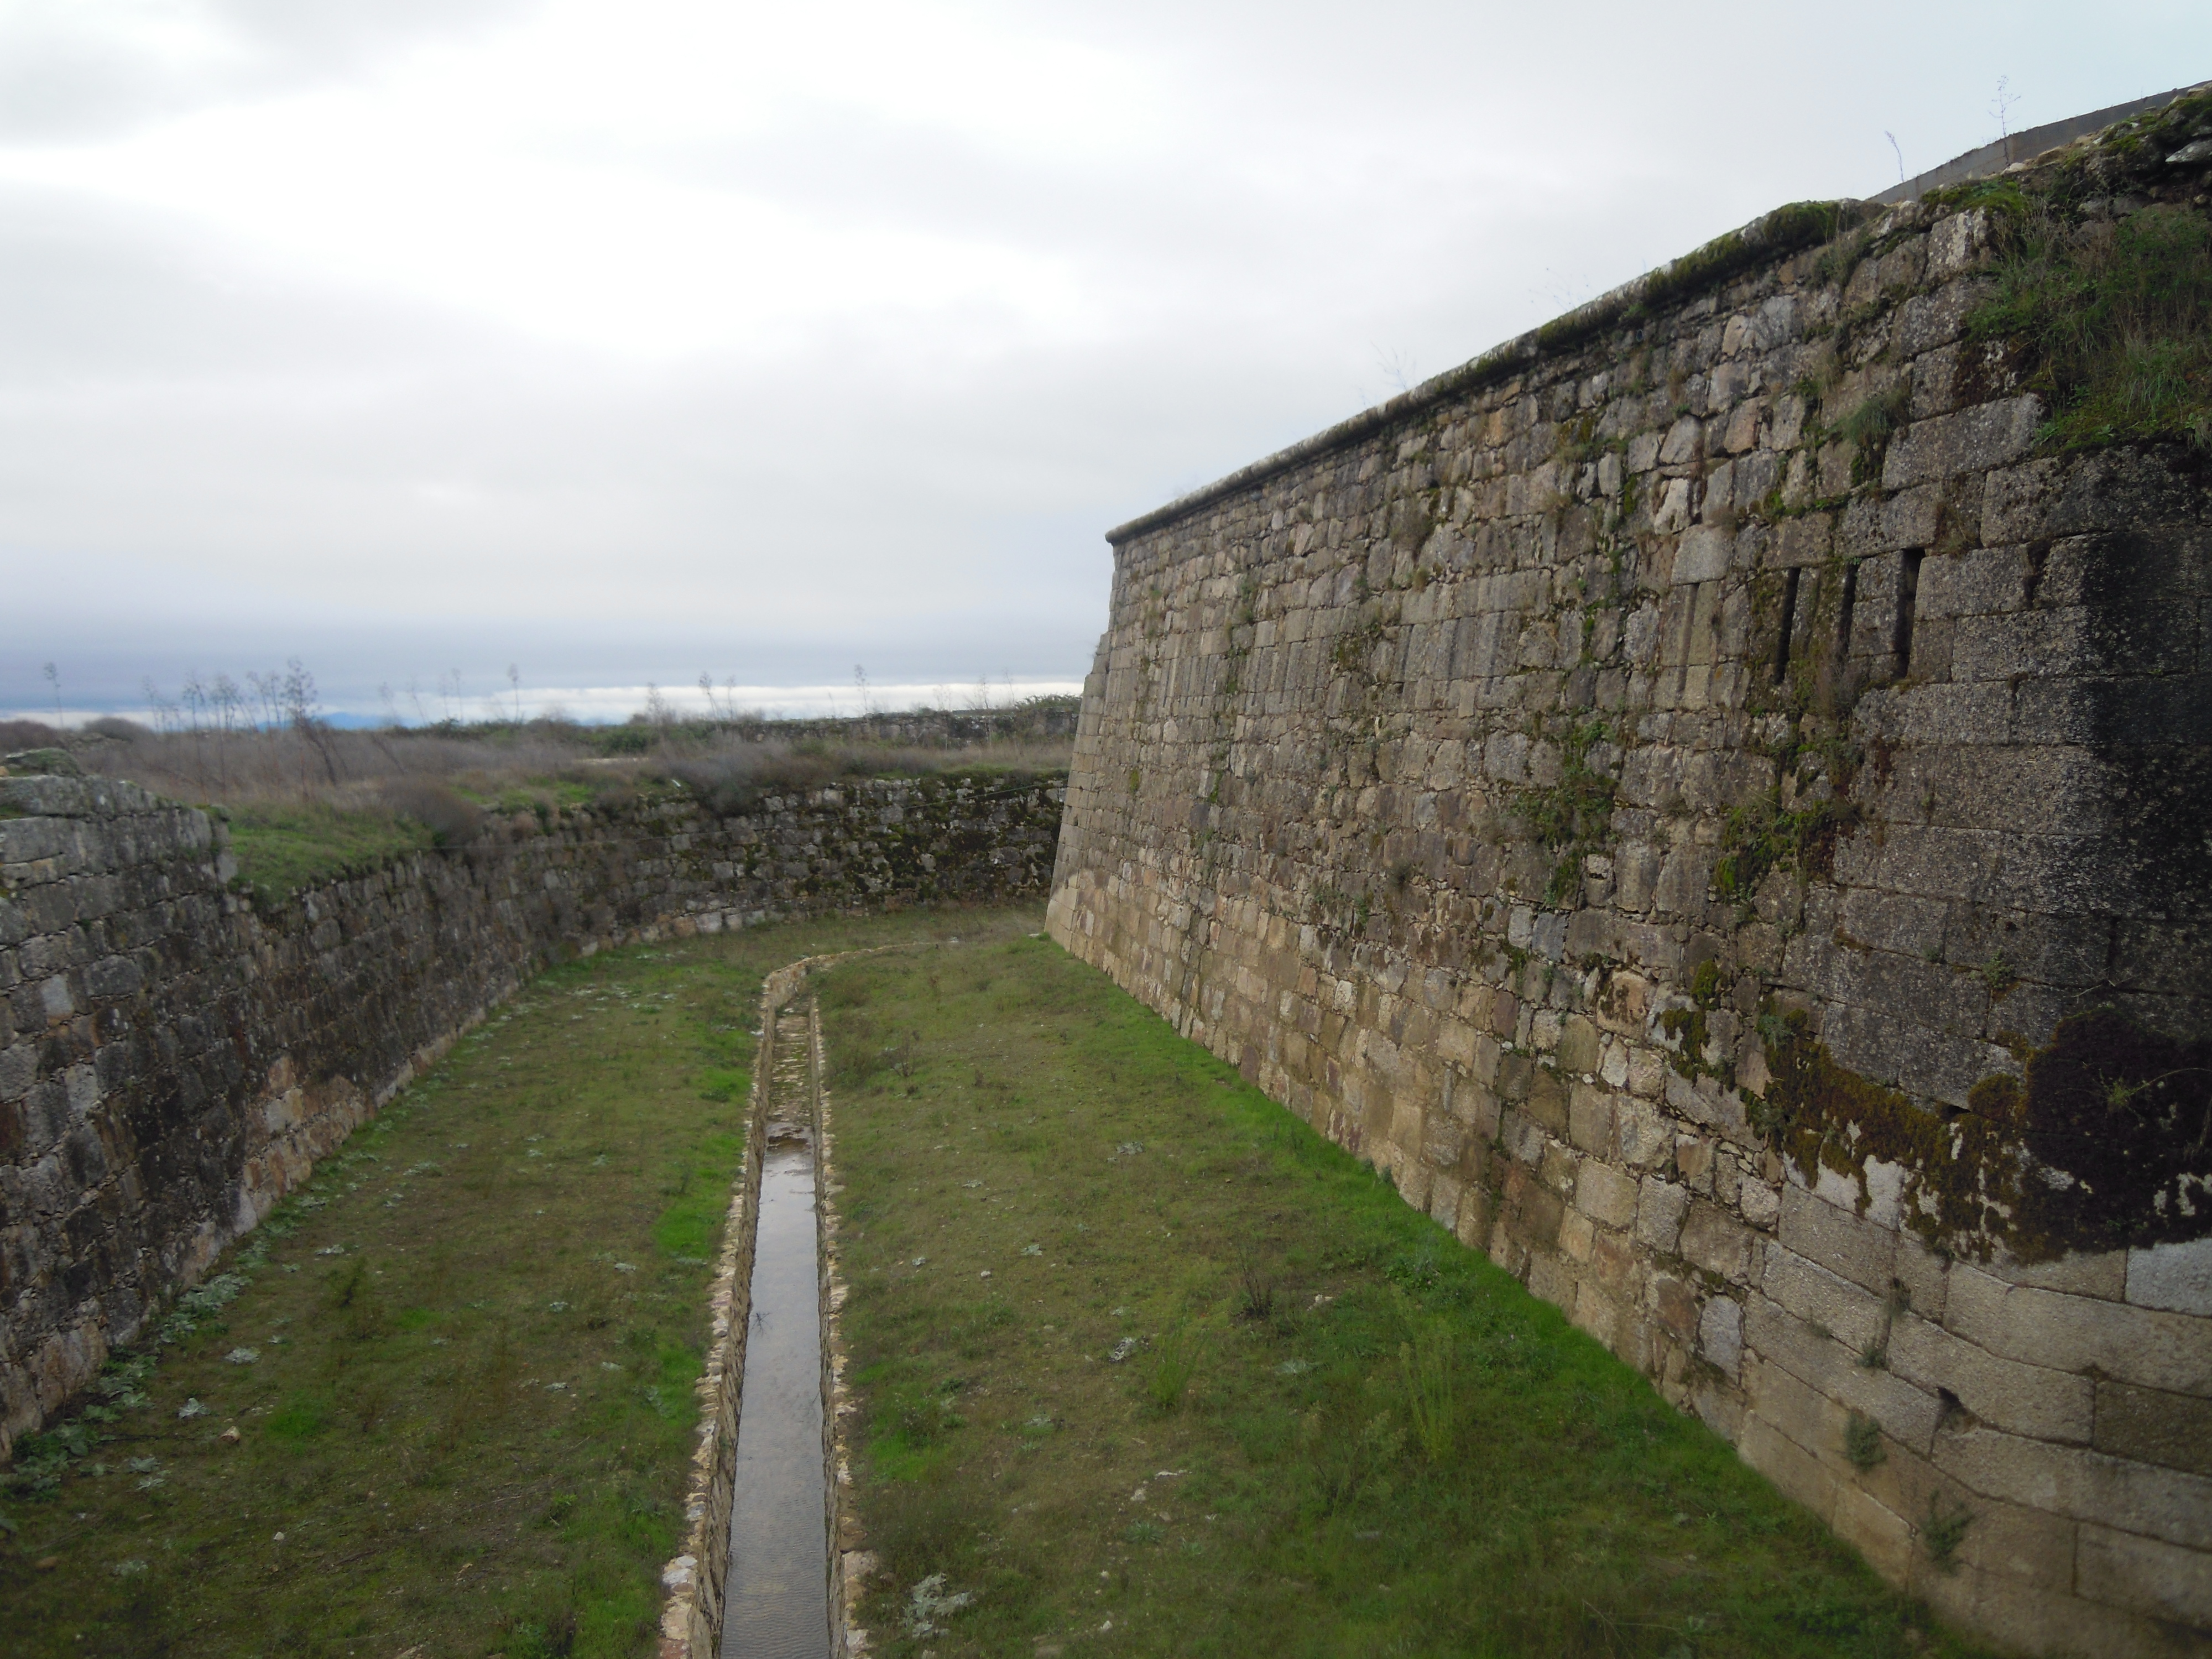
[1762,835]
[1840,257]
[1943,1529]
[1862,1443]
[1425,1365]
[1868,428]
[1174,1362]
[1573,817]
[1997,975]
[1256,1298]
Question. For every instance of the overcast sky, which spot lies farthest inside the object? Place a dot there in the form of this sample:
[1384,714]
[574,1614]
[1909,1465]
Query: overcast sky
[624,341]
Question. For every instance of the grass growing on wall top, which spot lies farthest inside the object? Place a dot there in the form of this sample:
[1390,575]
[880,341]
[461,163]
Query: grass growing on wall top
[2118,319]
[281,850]
[460,1364]
[1221,1392]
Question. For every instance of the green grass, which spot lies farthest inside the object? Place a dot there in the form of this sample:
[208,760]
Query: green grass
[2116,320]
[1379,1443]
[281,850]
[469,1413]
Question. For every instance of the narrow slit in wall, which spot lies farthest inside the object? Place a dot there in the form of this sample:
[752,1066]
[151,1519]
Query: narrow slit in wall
[1908,598]
[1788,623]
[1844,617]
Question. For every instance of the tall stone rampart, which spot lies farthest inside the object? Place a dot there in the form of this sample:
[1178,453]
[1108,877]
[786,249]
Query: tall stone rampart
[173,1059]
[1716,807]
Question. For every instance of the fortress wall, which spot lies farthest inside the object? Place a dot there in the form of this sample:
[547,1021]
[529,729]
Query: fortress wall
[173,1060]
[1822,1025]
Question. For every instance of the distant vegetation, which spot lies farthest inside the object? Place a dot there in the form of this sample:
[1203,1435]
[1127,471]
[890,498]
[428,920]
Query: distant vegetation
[307,800]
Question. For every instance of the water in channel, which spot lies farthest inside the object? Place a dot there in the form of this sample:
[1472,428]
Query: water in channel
[777,1602]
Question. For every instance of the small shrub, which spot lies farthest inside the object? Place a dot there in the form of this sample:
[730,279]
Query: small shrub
[1868,428]
[451,821]
[1862,1443]
[1256,1298]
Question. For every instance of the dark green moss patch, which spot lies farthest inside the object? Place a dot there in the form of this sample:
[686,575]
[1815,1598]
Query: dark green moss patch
[2106,1144]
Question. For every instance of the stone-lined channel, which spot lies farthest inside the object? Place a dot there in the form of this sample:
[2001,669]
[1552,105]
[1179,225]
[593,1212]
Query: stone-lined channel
[776,1601]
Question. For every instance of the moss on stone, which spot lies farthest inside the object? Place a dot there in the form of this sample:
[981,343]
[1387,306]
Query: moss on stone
[2106,1143]
[1574,816]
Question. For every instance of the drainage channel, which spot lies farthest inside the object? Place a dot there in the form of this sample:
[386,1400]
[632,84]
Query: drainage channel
[777,1596]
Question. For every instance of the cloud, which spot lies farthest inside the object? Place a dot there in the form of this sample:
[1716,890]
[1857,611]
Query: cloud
[586,332]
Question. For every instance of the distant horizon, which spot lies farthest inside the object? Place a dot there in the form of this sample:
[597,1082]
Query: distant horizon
[599,705]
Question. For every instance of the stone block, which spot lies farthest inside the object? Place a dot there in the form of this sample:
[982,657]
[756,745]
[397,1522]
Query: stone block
[1761,1204]
[1705,554]
[2086,1484]
[1845,1244]
[2145,1575]
[1659,1213]
[1576,1050]
[2101,1274]
[1715,1241]
[1797,1471]
[1825,1302]
[2152,1426]
[1590,1118]
[1720,1335]
[1877,1532]
[2028,1617]
[2142,1346]
[1977,440]
[2177,1278]
[1607,1195]
[2005,1393]
[1552,1280]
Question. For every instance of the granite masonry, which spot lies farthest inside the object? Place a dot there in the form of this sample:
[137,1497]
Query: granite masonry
[1717,808]
[174,1059]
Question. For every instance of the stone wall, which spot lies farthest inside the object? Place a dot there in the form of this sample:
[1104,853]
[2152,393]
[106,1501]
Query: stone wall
[1718,815]
[173,1060]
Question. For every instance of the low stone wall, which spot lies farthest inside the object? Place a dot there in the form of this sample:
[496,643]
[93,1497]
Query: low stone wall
[173,1059]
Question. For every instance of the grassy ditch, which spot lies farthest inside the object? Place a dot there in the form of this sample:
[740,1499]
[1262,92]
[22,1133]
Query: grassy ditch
[1149,1367]
[460,1364]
